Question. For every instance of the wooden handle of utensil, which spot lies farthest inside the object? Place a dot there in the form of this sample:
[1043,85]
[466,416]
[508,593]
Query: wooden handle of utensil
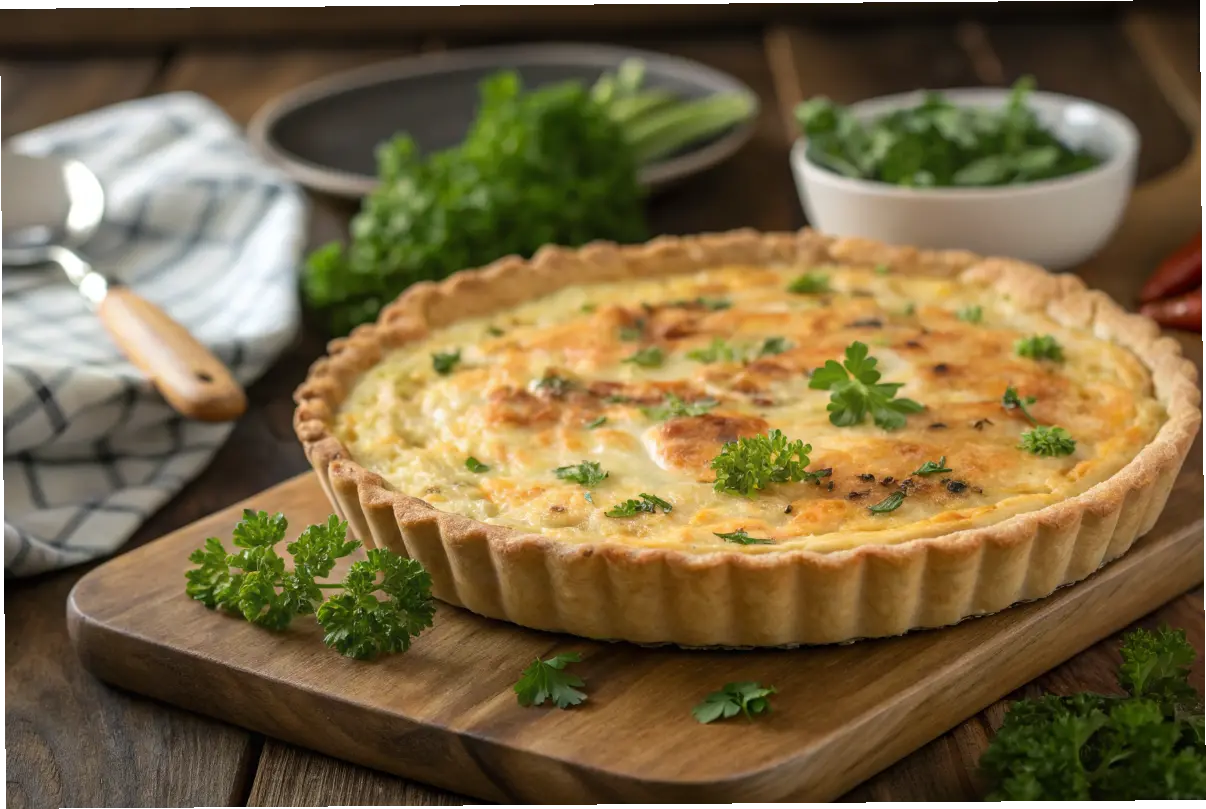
[191,379]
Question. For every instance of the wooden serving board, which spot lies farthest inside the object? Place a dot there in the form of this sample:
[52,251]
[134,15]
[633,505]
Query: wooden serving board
[444,712]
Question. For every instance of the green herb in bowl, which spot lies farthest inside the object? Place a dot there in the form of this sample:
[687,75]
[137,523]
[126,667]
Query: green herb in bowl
[939,144]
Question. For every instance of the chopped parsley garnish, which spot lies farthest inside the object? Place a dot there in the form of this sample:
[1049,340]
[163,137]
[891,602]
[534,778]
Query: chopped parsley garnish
[547,680]
[651,357]
[1145,745]
[882,269]
[596,422]
[910,310]
[742,538]
[773,345]
[494,331]
[889,503]
[647,504]
[750,699]
[1040,347]
[674,407]
[1048,441]
[711,304]
[587,473]
[1011,401]
[589,498]
[718,350]
[589,307]
[855,390]
[971,314]
[443,362]
[555,384]
[933,468]
[474,465]
[750,464]
[810,283]
[630,334]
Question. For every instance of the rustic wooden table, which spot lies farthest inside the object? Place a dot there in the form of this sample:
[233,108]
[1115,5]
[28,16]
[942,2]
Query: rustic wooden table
[73,741]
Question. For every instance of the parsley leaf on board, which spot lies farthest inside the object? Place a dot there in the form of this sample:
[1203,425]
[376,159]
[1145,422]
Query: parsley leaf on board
[933,468]
[1145,745]
[888,504]
[443,362]
[750,699]
[1040,347]
[751,464]
[474,465]
[937,143]
[587,473]
[810,283]
[855,390]
[673,407]
[773,345]
[1011,401]
[264,593]
[742,538]
[1048,441]
[647,504]
[651,357]
[547,680]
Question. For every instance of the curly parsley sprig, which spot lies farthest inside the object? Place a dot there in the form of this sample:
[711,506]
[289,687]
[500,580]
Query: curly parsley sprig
[1048,441]
[253,582]
[751,464]
[855,390]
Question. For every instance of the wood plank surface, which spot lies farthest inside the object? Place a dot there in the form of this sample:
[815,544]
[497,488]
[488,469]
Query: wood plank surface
[40,92]
[445,713]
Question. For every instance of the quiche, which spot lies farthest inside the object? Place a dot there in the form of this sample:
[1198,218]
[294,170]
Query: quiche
[750,439]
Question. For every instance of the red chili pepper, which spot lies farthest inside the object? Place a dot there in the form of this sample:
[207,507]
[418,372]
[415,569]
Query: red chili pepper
[1180,272]
[1181,312]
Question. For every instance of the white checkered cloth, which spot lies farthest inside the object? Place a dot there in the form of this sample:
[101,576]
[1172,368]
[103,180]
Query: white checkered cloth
[196,224]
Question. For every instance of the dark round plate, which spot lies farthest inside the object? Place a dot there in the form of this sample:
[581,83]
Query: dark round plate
[324,134]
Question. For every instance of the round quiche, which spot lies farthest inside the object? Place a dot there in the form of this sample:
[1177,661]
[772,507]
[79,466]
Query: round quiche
[750,439]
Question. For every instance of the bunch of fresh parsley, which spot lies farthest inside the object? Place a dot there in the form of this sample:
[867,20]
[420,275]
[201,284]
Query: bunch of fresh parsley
[1145,745]
[855,390]
[940,144]
[254,583]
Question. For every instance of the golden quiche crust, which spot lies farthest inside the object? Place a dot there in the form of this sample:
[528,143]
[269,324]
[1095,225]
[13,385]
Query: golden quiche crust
[693,593]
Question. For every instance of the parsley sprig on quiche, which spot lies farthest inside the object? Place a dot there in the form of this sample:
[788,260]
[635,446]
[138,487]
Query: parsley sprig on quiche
[856,392]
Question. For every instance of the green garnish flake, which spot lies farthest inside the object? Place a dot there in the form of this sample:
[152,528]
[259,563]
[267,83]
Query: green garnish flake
[1040,347]
[910,310]
[633,333]
[1011,401]
[718,350]
[589,498]
[939,144]
[933,467]
[443,362]
[748,465]
[596,422]
[647,504]
[673,407]
[889,503]
[882,269]
[651,357]
[554,384]
[810,283]
[855,390]
[711,304]
[971,314]
[742,538]
[494,331]
[589,307]
[1048,441]
[587,473]
[253,583]
[1144,745]
[548,681]
[773,345]
[474,465]
[749,699]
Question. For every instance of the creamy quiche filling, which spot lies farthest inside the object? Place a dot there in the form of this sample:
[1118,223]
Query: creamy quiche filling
[513,419]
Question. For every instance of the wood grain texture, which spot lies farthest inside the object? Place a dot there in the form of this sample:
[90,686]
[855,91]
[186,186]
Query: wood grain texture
[186,373]
[37,93]
[445,713]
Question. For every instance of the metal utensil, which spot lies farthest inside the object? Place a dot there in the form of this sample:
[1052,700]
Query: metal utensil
[51,208]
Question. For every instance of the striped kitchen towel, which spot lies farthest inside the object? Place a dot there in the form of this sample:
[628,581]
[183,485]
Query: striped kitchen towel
[195,223]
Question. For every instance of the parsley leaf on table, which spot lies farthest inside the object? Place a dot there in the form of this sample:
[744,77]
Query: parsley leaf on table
[1048,441]
[750,464]
[674,407]
[742,538]
[1040,347]
[751,699]
[587,473]
[547,680]
[1145,745]
[855,390]
[443,362]
[810,283]
[933,468]
[647,504]
[650,357]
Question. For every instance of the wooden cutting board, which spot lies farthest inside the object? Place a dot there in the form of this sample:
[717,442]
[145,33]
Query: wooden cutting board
[444,712]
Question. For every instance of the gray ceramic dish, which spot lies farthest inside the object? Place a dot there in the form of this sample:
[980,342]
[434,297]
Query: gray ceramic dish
[324,134]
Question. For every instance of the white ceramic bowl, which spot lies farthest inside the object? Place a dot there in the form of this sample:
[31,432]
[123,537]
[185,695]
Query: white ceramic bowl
[1054,223]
